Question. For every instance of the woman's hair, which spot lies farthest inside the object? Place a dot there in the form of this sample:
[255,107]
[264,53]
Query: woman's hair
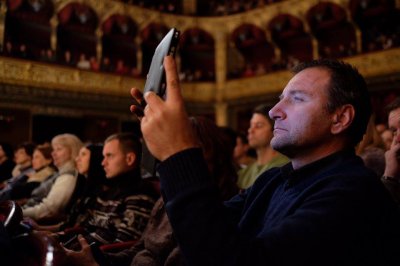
[45,149]
[96,175]
[72,142]
[218,154]
[8,150]
[28,147]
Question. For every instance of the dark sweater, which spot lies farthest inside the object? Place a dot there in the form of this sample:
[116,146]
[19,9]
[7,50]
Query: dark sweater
[331,212]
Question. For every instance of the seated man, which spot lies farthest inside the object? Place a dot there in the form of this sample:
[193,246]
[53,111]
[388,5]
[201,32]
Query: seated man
[259,136]
[323,208]
[122,210]
[391,176]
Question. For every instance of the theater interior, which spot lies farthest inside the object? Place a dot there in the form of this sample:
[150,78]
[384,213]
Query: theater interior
[232,56]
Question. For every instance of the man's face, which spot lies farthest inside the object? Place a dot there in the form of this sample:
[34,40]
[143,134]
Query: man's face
[260,131]
[21,157]
[302,122]
[394,124]
[115,162]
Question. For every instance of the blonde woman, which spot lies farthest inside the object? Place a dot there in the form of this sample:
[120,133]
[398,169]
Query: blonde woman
[49,200]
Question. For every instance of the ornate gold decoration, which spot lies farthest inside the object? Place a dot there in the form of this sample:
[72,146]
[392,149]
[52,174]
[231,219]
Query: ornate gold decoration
[53,77]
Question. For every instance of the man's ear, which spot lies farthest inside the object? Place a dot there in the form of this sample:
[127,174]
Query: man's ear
[130,158]
[342,118]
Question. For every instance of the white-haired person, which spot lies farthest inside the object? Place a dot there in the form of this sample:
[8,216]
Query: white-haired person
[49,201]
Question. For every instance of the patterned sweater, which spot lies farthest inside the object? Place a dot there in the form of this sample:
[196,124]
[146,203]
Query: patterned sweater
[121,212]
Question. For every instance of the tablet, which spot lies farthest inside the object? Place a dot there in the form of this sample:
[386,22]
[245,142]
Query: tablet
[156,77]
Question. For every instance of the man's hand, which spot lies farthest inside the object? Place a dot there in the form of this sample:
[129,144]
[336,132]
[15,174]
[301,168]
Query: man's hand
[165,124]
[83,257]
[392,168]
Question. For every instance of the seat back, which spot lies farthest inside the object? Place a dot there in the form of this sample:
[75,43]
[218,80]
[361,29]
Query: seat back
[10,216]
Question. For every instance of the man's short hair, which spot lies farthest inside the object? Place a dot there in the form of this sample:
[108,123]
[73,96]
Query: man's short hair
[393,105]
[346,86]
[263,110]
[129,142]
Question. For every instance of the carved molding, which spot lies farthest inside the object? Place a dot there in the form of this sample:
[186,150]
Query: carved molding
[33,78]
[53,77]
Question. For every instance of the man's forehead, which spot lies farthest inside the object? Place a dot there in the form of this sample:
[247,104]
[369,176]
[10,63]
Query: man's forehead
[112,145]
[394,116]
[309,80]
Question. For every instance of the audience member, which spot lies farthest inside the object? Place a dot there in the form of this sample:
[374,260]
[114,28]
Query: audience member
[157,245]
[42,164]
[48,202]
[120,68]
[23,162]
[6,161]
[106,65]
[67,59]
[242,152]
[122,210]
[391,176]
[23,159]
[380,128]
[259,136]
[50,57]
[8,49]
[24,52]
[387,138]
[94,64]
[325,207]
[88,164]
[83,63]
[372,149]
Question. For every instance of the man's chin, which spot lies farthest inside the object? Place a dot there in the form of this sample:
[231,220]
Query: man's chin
[281,147]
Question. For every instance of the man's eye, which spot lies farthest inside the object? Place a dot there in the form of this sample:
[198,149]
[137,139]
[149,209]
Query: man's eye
[298,99]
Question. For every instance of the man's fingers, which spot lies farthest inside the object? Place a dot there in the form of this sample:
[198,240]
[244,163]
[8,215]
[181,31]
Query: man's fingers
[136,94]
[137,110]
[83,242]
[173,90]
[152,100]
[137,97]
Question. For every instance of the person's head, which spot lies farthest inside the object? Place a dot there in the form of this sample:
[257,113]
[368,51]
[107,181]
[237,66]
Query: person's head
[325,107]
[380,128]
[393,110]
[42,156]
[371,138]
[6,151]
[67,55]
[82,161]
[88,163]
[217,153]
[242,146]
[122,152]
[23,153]
[259,133]
[65,148]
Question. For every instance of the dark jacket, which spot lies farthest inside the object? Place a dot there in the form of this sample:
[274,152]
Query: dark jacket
[331,212]
[6,169]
